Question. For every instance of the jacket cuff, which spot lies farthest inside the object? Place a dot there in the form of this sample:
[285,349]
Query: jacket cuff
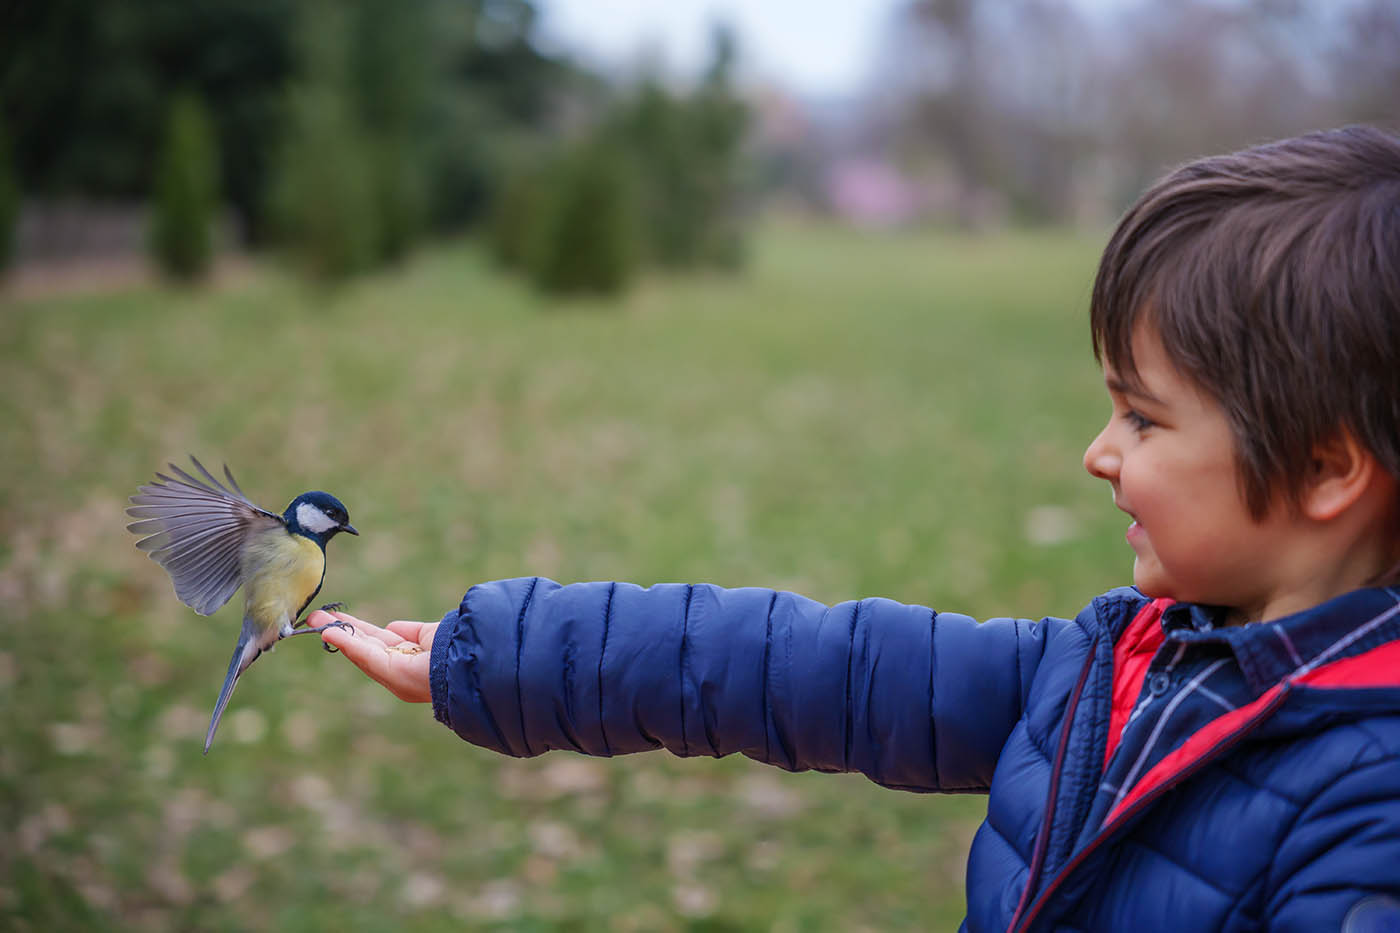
[437,664]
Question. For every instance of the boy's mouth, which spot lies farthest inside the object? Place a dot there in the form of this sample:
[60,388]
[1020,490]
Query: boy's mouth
[1134,532]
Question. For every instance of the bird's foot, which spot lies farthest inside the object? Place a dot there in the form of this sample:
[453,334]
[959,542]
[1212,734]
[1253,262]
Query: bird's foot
[330,649]
[335,607]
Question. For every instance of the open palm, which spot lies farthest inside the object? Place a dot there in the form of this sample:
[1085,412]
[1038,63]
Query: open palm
[396,656]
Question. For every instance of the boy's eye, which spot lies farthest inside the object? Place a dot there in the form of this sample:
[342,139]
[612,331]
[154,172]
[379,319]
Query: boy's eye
[1137,420]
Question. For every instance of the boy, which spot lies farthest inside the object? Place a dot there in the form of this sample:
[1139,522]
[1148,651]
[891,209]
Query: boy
[1215,748]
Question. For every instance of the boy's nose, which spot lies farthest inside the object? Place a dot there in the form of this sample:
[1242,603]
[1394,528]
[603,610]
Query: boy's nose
[1100,459]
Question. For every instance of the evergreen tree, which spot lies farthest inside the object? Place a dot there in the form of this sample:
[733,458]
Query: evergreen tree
[85,87]
[391,74]
[672,207]
[718,120]
[323,199]
[399,182]
[688,152]
[517,215]
[186,192]
[9,203]
[586,238]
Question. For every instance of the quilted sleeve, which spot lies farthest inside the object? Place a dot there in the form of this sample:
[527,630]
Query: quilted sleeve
[1339,866]
[911,698]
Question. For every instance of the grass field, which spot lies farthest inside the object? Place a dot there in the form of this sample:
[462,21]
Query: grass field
[899,416]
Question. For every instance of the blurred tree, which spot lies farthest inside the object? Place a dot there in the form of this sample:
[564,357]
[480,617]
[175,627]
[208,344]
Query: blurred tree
[88,127]
[449,87]
[84,87]
[720,120]
[1038,110]
[657,134]
[391,75]
[323,196]
[1023,109]
[586,236]
[186,192]
[687,153]
[238,55]
[1369,57]
[954,112]
[497,103]
[1207,76]
[657,177]
[9,202]
[994,100]
[520,205]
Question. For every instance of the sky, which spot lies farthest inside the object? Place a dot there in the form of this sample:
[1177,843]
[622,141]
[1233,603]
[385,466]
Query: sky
[820,48]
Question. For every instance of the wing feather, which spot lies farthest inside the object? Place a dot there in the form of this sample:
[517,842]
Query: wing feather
[191,561]
[196,528]
[214,573]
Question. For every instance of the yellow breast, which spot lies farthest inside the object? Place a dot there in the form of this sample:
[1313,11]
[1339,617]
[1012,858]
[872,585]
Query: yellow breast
[281,572]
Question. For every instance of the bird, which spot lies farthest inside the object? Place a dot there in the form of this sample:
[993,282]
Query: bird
[212,539]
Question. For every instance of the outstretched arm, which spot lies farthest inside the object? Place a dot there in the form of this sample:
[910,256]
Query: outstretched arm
[912,698]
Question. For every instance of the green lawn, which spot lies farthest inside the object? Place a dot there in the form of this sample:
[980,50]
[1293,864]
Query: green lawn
[858,415]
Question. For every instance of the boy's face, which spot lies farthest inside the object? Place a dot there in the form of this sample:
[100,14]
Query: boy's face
[1168,453]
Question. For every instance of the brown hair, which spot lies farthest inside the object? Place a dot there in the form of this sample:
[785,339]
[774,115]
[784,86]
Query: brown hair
[1272,276]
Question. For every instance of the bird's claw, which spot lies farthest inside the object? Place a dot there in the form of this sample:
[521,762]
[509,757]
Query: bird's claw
[338,623]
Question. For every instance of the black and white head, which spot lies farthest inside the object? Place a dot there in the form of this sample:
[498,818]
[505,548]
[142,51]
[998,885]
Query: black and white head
[319,516]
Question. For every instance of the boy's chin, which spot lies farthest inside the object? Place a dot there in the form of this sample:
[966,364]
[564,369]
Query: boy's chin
[1150,582]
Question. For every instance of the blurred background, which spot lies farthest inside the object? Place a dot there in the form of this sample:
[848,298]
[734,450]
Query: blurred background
[778,293]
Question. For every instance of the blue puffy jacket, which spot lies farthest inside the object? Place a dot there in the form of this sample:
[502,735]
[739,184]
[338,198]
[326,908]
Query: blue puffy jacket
[1281,813]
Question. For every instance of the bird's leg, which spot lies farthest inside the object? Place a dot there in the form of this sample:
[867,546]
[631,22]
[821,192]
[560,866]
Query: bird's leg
[332,607]
[328,607]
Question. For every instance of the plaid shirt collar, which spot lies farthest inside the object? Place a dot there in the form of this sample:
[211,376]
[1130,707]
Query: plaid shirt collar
[1268,652]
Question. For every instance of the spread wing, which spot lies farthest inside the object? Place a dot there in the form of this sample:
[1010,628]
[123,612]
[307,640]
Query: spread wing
[196,529]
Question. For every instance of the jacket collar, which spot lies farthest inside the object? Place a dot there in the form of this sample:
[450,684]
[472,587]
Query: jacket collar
[1269,652]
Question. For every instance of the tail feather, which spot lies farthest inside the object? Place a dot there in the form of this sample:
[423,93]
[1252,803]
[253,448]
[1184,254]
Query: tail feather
[244,654]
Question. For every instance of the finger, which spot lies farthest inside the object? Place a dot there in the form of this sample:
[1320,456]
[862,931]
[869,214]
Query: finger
[405,676]
[340,616]
[367,654]
[336,637]
[409,631]
[373,631]
[320,617]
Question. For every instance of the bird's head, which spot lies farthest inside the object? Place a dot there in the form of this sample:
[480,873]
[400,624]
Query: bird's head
[318,515]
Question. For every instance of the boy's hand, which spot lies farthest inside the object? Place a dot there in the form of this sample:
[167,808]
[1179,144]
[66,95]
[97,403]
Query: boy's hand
[396,656]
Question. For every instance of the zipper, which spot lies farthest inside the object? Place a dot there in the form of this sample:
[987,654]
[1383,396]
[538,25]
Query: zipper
[1224,745]
[1042,843]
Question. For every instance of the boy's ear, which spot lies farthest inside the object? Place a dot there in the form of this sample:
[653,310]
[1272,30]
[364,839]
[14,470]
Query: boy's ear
[1341,472]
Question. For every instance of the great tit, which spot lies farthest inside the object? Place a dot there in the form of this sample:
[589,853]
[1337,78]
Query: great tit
[211,539]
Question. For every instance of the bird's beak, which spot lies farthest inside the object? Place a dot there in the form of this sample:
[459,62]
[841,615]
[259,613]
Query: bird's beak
[350,528]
